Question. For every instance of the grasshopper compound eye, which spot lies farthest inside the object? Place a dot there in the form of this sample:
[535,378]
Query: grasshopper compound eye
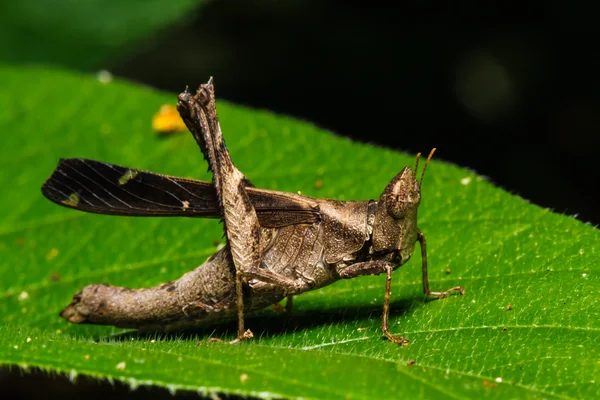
[403,195]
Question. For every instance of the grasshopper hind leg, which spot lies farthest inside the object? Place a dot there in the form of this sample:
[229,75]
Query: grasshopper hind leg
[241,223]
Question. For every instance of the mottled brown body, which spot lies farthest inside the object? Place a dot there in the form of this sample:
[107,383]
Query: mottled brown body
[311,253]
[278,244]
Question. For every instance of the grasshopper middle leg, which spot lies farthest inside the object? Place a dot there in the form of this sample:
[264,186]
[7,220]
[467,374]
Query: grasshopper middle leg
[376,268]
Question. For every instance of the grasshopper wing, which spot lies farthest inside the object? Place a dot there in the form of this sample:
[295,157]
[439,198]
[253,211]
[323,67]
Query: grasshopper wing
[103,188]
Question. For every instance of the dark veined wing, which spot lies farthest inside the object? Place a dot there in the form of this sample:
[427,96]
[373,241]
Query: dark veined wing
[103,188]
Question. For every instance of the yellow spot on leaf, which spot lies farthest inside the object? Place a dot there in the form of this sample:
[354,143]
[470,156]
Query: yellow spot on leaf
[167,120]
[52,254]
[121,366]
[243,378]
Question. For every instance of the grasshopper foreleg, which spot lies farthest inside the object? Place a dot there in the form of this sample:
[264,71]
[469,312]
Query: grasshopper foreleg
[426,289]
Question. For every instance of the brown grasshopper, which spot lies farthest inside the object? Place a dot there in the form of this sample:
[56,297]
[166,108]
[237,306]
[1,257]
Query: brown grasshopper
[278,244]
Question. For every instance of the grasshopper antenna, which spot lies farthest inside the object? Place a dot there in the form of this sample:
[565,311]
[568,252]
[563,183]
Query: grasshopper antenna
[426,164]
[417,162]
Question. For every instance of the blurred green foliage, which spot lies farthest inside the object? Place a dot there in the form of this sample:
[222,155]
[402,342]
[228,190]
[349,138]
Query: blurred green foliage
[82,34]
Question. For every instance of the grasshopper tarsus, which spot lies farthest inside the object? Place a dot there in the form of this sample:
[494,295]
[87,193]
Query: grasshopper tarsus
[398,339]
[446,293]
[244,336]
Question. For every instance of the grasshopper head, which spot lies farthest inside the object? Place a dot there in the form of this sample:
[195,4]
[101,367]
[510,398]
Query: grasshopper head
[395,225]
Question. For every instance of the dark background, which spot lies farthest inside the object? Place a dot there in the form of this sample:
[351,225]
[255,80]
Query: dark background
[510,90]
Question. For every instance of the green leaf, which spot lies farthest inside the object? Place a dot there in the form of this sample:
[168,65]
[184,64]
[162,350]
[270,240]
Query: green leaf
[81,34]
[500,248]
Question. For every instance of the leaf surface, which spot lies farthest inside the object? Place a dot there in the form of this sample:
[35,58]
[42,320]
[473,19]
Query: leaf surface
[501,249]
